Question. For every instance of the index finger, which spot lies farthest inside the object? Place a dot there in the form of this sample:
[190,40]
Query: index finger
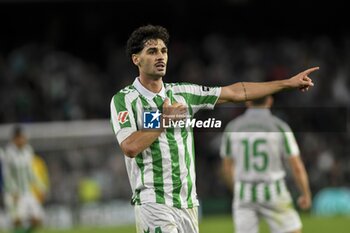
[309,71]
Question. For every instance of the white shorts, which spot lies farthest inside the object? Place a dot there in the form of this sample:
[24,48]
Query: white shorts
[160,218]
[278,210]
[26,207]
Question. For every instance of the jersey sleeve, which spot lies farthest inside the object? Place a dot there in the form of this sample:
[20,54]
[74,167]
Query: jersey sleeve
[122,117]
[197,96]
[227,144]
[289,143]
[226,147]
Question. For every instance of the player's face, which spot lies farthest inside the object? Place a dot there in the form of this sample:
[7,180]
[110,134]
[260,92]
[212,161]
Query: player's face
[20,141]
[153,58]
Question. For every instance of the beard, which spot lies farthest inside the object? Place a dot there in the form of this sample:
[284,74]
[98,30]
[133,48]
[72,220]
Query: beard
[157,75]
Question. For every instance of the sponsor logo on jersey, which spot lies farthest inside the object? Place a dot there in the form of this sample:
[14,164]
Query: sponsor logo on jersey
[123,117]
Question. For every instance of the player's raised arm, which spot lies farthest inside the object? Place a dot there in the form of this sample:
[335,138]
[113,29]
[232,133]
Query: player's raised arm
[244,91]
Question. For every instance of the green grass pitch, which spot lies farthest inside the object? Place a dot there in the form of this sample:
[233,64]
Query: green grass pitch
[223,224]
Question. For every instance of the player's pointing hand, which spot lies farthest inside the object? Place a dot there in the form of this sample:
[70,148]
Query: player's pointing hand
[302,80]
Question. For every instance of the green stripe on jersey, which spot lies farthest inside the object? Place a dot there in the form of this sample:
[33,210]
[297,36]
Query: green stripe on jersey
[158,179]
[136,199]
[286,143]
[175,165]
[278,187]
[228,145]
[184,134]
[254,194]
[157,172]
[139,162]
[134,110]
[241,191]
[267,192]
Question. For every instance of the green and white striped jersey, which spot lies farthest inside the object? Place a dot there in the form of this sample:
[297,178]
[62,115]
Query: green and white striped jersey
[164,172]
[17,169]
[257,140]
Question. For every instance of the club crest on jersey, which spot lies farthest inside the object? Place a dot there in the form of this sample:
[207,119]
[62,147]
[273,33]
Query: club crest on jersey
[123,117]
[204,88]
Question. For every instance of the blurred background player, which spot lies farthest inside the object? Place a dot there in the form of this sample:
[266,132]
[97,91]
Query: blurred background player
[252,149]
[41,185]
[23,208]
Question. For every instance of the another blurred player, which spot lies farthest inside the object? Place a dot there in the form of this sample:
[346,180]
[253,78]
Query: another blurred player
[24,209]
[252,149]
[41,187]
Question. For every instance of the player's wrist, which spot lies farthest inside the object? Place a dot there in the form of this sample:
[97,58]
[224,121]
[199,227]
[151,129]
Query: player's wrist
[287,83]
[307,194]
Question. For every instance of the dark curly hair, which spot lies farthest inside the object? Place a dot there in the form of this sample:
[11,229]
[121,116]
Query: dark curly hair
[137,39]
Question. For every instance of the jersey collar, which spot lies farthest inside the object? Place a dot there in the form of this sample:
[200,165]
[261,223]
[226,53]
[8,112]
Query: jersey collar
[147,93]
[258,111]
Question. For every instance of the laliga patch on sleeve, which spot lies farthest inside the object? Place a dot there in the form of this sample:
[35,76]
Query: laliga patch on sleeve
[204,88]
[123,117]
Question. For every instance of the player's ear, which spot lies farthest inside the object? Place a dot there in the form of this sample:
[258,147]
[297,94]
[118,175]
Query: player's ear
[135,59]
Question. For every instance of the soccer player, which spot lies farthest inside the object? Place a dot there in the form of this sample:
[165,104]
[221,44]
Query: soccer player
[41,187]
[160,163]
[24,209]
[253,147]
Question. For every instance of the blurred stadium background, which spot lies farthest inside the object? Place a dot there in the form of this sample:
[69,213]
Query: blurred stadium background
[61,61]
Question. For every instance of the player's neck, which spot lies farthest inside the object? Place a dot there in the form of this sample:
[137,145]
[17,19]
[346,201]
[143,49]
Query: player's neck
[151,84]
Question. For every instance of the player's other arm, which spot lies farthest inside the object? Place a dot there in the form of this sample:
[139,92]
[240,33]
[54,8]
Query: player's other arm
[138,142]
[228,172]
[244,91]
[301,179]
[142,139]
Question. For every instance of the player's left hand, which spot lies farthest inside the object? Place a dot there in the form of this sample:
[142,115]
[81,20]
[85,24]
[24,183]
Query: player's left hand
[304,202]
[302,80]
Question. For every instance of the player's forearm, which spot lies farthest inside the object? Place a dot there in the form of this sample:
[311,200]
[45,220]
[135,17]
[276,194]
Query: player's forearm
[228,173]
[228,179]
[138,142]
[301,179]
[253,90]
[244,91]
